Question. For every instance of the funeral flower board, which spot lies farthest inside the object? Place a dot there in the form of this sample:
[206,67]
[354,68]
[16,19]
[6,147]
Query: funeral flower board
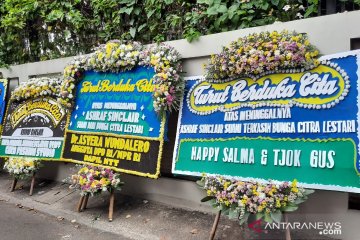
[34,128]
[3,89]
[297,123]
[114,124]
[120,95]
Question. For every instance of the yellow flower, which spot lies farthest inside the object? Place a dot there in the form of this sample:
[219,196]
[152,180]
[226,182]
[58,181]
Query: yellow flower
[82,180]
[104,181]
[153,61]
[100,56]
[278,204]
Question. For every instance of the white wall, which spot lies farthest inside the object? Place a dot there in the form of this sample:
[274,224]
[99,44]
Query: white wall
[331,34]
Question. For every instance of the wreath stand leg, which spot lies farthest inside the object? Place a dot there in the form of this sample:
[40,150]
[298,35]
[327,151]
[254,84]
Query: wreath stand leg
[111,205]
[32,184]
[287,232]
[215,225]
[80,203]
[83,207]
[13,185]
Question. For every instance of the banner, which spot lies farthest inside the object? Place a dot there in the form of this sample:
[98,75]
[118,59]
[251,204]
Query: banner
[114,123]
[292,124]
[3,89]
[34,128]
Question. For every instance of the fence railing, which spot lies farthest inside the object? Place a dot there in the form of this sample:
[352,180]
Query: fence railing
[336,6]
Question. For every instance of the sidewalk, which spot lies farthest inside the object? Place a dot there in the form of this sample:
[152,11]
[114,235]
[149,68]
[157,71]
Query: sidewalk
[133,218]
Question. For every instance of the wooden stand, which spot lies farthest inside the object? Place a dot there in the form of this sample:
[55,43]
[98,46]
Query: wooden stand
[287,232]
[84,200]
[13,185]
[215,225]
[32,184]
[79,206]
[111,205]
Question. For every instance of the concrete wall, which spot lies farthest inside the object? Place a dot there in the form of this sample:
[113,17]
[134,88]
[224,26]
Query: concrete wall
[331,34]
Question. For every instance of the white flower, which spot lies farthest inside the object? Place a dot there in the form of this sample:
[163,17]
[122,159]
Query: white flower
[262,195]
[301,7]
[286,8]
[299,15]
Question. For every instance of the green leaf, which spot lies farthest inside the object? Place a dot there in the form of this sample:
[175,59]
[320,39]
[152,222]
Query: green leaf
[213,203]
[244,218]
[150,13]
[141,27]
[132,32]
[168,2]
[126,1]
[137,11]
[212,10]
[233,213]
[226,211]
[290,208]
[275,2]
[200,183]
[223,207]
[309,10]
[276,216]
[267,218]
[299,200]
[309,191]
[126,10]
[259,215]
[209,2]
[222,8]
[207,198]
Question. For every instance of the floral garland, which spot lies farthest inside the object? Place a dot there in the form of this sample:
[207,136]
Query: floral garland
[37,87]
[239,199]
[94,180]
[262,53]
[117,57]
[22,168]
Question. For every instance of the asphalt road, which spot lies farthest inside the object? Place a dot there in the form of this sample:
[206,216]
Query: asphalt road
[20,223]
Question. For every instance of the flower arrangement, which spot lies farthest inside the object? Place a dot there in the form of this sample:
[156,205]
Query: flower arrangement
[261,53]
[94,180]
[169,84]
[116,56]
[239,199]
[37,87]
[22,168]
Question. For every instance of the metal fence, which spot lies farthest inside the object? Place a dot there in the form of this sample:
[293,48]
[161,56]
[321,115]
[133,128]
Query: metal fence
[336,6]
